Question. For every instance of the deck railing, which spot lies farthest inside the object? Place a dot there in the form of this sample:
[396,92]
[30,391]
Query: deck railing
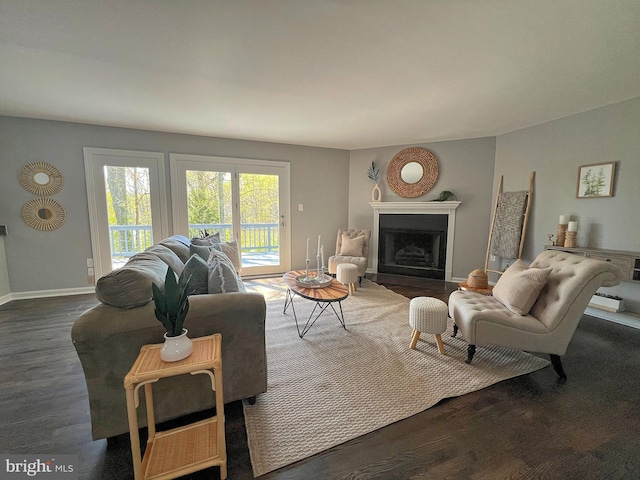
[127,240]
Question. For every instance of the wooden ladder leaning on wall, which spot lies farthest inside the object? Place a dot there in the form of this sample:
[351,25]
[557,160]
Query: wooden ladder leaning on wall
[524,222]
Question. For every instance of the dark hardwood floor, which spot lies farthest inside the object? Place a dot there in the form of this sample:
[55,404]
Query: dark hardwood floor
[527,427]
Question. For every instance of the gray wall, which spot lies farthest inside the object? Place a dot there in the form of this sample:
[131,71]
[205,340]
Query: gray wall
[42,261]
[554,151]
[465,168]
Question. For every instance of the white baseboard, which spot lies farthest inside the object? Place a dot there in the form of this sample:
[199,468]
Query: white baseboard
[5,299]
[63,292]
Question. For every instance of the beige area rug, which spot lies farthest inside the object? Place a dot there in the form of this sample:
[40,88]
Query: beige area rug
[334,385]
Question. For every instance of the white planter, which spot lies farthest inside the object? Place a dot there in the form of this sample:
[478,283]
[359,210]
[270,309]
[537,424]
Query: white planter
[176,348]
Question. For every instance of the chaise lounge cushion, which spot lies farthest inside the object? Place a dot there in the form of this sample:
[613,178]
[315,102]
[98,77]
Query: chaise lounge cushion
[519,286]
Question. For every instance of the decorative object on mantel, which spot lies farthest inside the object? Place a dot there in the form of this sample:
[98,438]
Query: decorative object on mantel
[445,196]
[412,172]
[561,231]
[596,180]
[374,174]
[43,214]
[41,178]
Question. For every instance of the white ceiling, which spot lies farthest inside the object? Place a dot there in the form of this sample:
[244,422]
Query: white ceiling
[335,73]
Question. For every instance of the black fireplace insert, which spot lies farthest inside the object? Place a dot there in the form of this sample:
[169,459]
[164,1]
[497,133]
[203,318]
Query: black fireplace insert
[413,245]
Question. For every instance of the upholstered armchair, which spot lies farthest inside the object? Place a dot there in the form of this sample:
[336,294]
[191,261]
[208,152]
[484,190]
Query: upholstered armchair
[535,308]
[352,246]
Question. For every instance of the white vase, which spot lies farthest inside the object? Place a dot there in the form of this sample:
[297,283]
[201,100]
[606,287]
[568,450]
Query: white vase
[376,194]
[176,348]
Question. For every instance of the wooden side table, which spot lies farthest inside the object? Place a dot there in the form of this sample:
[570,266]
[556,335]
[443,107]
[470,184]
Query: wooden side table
[484,291]
[187,449]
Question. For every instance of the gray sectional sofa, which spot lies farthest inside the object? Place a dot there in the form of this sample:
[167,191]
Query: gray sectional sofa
[108,338]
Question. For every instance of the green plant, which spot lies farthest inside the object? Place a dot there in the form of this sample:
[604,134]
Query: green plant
[172,304]
[373,173]
[445,196]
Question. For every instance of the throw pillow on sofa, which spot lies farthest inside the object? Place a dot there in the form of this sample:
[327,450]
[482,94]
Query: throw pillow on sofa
[223,277]
[230,249]
[203,251]
[179,245]
[198,270]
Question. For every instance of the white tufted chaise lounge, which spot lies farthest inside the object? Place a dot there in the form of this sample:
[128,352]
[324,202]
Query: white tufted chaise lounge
[549,325]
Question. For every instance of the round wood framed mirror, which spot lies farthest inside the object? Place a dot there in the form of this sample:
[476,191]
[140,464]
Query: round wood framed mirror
[412,172]
[41,178]
[43,214]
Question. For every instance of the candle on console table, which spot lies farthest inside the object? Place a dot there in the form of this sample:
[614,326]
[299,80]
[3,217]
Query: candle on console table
[573,227]
[322,256]
[307,257]
[563,220]
[318,251]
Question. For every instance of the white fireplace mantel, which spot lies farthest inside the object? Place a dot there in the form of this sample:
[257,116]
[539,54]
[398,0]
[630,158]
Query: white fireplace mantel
[421,208]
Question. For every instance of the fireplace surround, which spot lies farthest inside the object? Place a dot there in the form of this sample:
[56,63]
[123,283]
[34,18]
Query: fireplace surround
[413,238]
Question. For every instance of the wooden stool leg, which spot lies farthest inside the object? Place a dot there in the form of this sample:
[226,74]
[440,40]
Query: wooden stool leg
[414,339]
[440,344]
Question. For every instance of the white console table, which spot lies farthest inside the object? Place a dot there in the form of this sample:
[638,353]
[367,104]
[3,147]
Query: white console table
[629,263]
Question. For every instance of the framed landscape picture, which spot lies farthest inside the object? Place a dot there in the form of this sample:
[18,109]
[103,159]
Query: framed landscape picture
[596,180]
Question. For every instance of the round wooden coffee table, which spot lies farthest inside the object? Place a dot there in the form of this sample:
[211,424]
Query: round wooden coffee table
[324,298]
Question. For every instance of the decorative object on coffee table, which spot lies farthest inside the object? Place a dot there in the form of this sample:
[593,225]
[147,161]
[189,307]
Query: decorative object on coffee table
[412,172]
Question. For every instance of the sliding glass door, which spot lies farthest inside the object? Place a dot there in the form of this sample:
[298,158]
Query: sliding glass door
[244,200]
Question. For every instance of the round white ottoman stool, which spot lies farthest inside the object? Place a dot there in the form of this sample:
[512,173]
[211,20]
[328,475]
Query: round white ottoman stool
[428,315]
[347,273]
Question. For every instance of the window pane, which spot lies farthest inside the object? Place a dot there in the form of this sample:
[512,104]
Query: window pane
[259,219]
[129,210]
[209,203]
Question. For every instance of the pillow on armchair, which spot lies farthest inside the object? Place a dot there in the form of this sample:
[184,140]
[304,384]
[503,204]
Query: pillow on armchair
[519,286]
[352,247]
